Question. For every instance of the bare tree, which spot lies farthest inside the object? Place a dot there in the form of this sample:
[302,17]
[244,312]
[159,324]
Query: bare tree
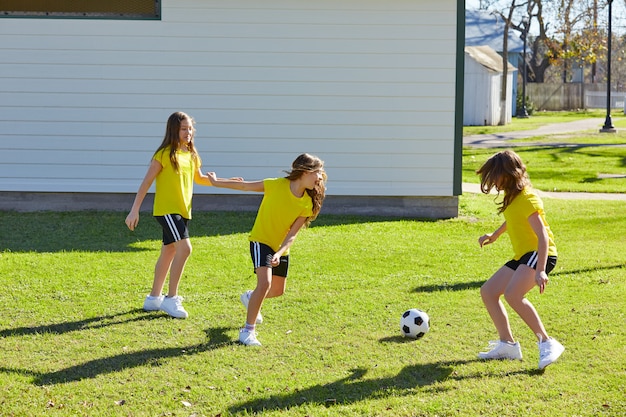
[579,37]
[508,23]
[544,49]
[565,32]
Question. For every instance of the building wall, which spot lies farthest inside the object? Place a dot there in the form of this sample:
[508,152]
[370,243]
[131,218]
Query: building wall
[479,96]
[483,85]
[368,86]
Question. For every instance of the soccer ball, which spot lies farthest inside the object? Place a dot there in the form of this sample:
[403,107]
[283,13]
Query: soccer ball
[414,323]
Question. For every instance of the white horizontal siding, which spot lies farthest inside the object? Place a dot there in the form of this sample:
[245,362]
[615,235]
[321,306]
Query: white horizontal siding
[369,86]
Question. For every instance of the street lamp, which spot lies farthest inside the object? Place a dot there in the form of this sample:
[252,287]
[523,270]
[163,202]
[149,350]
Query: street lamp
[522,113]
[608,123]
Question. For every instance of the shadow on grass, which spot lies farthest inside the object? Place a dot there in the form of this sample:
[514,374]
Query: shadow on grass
[354,388]
[95,231]
[216,338]
[460,286]
[86,324]
[585,270]
[397,339]
[464,286]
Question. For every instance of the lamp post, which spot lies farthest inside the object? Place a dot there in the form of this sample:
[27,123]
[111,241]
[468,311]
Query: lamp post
[608,123]
[522,112]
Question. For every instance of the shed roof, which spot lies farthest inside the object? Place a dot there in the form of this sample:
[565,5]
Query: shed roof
[487,57]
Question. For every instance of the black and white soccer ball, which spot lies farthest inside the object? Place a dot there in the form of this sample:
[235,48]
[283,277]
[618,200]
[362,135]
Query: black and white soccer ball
[414,323]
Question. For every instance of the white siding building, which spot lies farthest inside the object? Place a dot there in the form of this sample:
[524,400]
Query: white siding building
[371,87]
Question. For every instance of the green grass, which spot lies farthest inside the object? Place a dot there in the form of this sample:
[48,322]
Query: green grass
[582,162]
[562,168]
[75,342]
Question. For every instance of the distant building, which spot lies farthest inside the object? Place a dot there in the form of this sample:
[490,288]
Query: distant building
[483,86]
[484,28]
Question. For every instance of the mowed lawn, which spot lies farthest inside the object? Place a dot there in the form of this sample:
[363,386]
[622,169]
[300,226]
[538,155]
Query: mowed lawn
[75,342]
[583,162]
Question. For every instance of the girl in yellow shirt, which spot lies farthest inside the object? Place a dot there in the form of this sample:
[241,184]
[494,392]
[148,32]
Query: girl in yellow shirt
[175,166]
[534,257]
[288,204]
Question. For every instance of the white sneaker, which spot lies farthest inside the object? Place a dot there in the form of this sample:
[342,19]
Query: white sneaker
[152,303]
[248,337]
[174,307]
[549,351]
[502,350]
[245,299]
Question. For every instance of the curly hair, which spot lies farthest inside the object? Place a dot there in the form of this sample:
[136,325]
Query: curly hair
[310,163]
[506,172]
[172,138]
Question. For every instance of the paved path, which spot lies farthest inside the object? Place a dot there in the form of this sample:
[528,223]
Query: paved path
[558,130]
[475,188]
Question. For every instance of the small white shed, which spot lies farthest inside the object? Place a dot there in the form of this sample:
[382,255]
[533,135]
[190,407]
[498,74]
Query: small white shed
[483,86]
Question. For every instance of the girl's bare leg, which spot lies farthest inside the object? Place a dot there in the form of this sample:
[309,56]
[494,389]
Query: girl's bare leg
[277,288]
[491,291]
[515,294]
[161,268]
[264,283]
[182,253]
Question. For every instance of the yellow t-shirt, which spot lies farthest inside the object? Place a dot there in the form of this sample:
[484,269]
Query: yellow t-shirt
[174,190]
[522,235]
[278,210]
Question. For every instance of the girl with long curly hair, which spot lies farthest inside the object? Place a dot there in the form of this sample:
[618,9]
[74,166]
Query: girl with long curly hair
[289,204]
[534,257]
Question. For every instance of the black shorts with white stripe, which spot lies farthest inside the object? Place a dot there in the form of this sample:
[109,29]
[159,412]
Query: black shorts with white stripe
[174,227]
[262,256]
[530,259]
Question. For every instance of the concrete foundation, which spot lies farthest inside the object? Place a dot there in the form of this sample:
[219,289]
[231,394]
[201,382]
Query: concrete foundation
[411,207]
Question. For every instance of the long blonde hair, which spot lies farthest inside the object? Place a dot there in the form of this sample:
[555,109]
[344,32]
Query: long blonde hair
[172,138]
[309,163]
[506,172]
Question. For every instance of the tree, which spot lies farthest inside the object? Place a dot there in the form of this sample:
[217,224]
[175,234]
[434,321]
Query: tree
[544,49]
[505,67]
[578,33]
[566,33]
[541,47]
[508,23]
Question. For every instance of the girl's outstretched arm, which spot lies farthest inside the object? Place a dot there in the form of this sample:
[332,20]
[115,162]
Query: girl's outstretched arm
[235,183]
[203,179]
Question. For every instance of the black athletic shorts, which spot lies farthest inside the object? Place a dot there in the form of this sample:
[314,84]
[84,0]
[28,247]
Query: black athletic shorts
[530,259]
[174,227]
[262,256]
